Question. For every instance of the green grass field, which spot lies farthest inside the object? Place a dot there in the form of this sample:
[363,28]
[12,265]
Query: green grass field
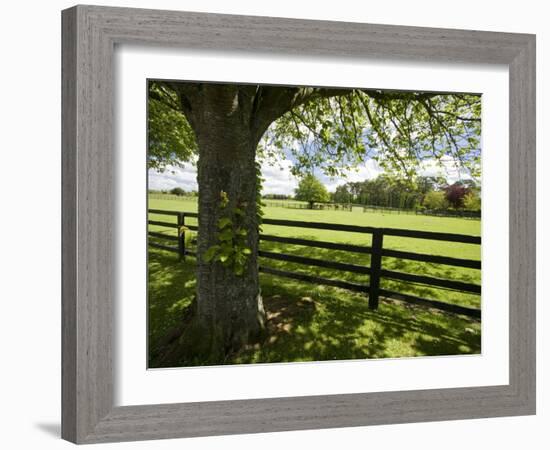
[309,322]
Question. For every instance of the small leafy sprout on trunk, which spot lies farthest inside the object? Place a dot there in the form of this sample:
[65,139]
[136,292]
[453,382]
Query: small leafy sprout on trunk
[259,203]
[231,250]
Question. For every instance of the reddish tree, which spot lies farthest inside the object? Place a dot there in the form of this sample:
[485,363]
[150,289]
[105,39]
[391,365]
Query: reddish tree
[455,194]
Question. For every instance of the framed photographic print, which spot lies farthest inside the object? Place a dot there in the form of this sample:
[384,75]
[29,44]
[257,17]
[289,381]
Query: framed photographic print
[256,209]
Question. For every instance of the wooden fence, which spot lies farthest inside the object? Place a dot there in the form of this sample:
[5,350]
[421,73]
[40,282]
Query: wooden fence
[323,206]
[375,271]
[349,207]
[464,214]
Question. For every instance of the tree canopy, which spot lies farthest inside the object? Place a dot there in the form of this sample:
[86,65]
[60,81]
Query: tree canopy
[436,200]
[177,191]
[455,194]
[171,139]
[332,130]
[311,190]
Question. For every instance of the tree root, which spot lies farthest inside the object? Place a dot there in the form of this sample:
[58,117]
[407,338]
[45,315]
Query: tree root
[194,343]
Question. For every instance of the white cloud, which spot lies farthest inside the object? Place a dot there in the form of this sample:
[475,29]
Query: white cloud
[446,168]
[183,177]
[365,171]
[278,178]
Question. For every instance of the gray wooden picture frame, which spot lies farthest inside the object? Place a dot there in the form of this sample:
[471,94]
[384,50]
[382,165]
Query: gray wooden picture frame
[89,36]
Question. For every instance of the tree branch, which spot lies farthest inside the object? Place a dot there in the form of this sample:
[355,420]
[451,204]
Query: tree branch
[382,135]
[153,95]
[275,101]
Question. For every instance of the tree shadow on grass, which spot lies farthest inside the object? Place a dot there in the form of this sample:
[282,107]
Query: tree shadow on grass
[171,288]
[308,322]
[331,324]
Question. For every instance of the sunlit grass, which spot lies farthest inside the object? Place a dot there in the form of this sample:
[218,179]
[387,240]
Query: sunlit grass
[314,323]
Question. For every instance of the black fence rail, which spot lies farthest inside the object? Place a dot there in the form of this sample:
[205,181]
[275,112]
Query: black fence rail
[324,206]
[168,196]
[375,271]
[460,213]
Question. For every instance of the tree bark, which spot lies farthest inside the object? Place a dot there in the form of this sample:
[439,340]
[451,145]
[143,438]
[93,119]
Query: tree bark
[229,310]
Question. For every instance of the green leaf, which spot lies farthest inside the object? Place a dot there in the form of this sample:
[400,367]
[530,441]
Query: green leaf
[239,212]
[241,232]
[224,199]
[210,253]
[226,235]
[224,222]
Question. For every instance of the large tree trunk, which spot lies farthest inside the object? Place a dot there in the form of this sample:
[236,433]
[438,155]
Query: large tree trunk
[229,311]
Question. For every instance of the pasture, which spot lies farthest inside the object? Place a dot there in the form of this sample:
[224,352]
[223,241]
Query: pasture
[308,322]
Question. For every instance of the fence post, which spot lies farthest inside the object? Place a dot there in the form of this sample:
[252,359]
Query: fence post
[375,267]
[181,235]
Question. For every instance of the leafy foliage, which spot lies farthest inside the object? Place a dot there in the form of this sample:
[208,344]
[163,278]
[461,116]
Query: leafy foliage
[177,191]
[400,130]
[436,200]
[231,249]
[455,194]
[425,184]
[171,140]
[380,191]
[311,190]
[334,129]
[259,203]
[387,191]
[472,201]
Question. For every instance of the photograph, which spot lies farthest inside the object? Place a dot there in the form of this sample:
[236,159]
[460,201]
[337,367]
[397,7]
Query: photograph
[248,225]
[305,223]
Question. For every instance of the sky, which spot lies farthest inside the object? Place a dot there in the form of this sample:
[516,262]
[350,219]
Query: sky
[279,179]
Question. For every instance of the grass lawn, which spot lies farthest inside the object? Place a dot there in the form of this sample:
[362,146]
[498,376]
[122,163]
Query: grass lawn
[309,322]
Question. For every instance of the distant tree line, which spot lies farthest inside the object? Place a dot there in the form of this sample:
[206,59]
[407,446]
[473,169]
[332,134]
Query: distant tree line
[277,197]
[175,191]
[432,193]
